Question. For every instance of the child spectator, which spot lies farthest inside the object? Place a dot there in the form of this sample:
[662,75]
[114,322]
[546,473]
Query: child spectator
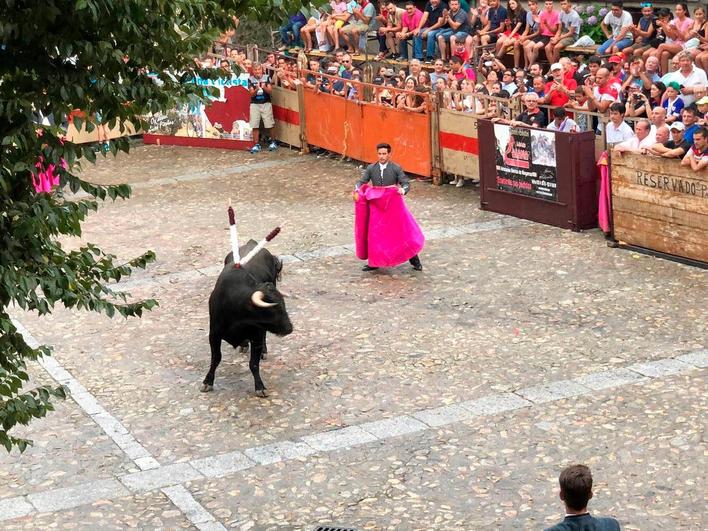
[676,36]
[643,31]
[673,102]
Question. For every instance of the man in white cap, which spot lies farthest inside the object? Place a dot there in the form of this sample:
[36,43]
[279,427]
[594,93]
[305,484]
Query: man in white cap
[676,147]
[558,91]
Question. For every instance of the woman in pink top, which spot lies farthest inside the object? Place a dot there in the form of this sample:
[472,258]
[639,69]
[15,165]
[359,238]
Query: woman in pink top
[677,33]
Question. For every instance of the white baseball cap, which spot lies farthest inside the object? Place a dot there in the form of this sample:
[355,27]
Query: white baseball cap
[556,66]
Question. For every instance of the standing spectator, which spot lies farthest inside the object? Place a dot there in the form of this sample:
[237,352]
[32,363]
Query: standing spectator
[689,117]
[438,71]
[650,72]
[561,122]
[673,102]
[290,31]
[677,33]
[260,88]
[676,147]
[643,31]
[568,32]
[529,36]
[409,25]
[557,92]
[692,79]
[576,491]
[617,130]
[424,80]
[430,26]
[641,140]
[579,102]
[456,28]
[496,15]
[697,156]
[533,116]
[458,71]
[548,23]
[656,94]
[364,19]
[615,26]
[602,93]
[508,82]
[515,27]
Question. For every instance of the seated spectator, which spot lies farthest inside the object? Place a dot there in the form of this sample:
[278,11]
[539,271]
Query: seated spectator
[617,130]
[637,103]
[456,28]
[362,21]
[640,142]
[697,156]
[643,31]
[533,116]
[409,25]
[557,92]
[656,94]
[674,148]
[529,36]
[650,72]
[616,26]
[315,31]
[568,32]
[290,31]
[633,78]
[676,32]
[561,122]
[576,491]
[337,20]
[693,80]
[548,23]
[673,102]
[387,33]
[402,99]
[538,86]
[496,15]
[431,25]
[514,27]
[689,117]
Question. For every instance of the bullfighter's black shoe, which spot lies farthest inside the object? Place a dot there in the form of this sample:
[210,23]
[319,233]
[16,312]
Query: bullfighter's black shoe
[367,267]
[415,262]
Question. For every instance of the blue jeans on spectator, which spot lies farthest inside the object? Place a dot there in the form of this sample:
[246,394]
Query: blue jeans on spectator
[611,42]
[403,49]
[459,35]
[294,28]
[432,42]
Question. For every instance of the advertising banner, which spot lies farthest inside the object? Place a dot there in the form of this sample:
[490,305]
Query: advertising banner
[526,161]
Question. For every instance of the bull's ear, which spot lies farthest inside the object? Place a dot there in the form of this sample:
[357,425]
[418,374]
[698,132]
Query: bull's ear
[258,299]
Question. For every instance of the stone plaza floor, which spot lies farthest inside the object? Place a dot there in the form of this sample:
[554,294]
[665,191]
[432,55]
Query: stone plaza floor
[444,399]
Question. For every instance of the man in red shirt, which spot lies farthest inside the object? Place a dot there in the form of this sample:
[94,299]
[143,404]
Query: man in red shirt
[558,91]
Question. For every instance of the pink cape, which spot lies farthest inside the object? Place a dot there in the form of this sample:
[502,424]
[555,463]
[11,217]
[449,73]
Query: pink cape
[385,232]
[604,208]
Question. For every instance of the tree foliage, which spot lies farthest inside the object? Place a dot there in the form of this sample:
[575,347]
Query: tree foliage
[122,59]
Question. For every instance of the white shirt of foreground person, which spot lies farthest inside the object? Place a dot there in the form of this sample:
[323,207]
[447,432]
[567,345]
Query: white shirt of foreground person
[636,145]
[616,134]
[568,125]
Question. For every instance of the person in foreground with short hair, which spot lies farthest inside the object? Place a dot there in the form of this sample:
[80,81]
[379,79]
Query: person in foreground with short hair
[640,142]
[674,148]
[386,235]
[576,491]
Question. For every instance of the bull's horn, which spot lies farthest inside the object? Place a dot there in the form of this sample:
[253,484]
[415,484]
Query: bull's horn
[257,299]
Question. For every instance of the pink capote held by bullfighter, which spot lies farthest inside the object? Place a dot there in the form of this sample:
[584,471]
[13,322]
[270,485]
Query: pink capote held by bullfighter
[385,232]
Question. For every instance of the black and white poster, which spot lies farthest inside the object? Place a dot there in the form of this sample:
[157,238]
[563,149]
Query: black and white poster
[526,161]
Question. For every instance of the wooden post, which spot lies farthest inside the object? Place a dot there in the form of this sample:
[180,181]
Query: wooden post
[436,170]
[304,146]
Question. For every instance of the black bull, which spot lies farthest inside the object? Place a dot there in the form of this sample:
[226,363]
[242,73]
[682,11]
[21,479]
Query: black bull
[244,305]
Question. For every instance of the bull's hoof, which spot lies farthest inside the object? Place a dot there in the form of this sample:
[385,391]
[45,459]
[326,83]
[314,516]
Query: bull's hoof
[264,355]
[205,388]
[262,393]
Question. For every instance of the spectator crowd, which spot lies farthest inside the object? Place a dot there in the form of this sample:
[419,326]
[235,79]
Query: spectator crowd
[649,70]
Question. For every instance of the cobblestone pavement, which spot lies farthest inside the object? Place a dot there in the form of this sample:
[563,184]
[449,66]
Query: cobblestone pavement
[447,399]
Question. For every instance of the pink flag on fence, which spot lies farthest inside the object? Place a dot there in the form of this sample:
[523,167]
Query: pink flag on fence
[604,211]
[385,232]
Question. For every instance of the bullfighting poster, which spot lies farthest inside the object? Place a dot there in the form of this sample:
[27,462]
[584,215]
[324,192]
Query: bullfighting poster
[526,161]
[223,117]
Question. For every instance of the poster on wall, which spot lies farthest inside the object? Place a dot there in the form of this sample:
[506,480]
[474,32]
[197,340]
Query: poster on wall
[221,117]
[526,161]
